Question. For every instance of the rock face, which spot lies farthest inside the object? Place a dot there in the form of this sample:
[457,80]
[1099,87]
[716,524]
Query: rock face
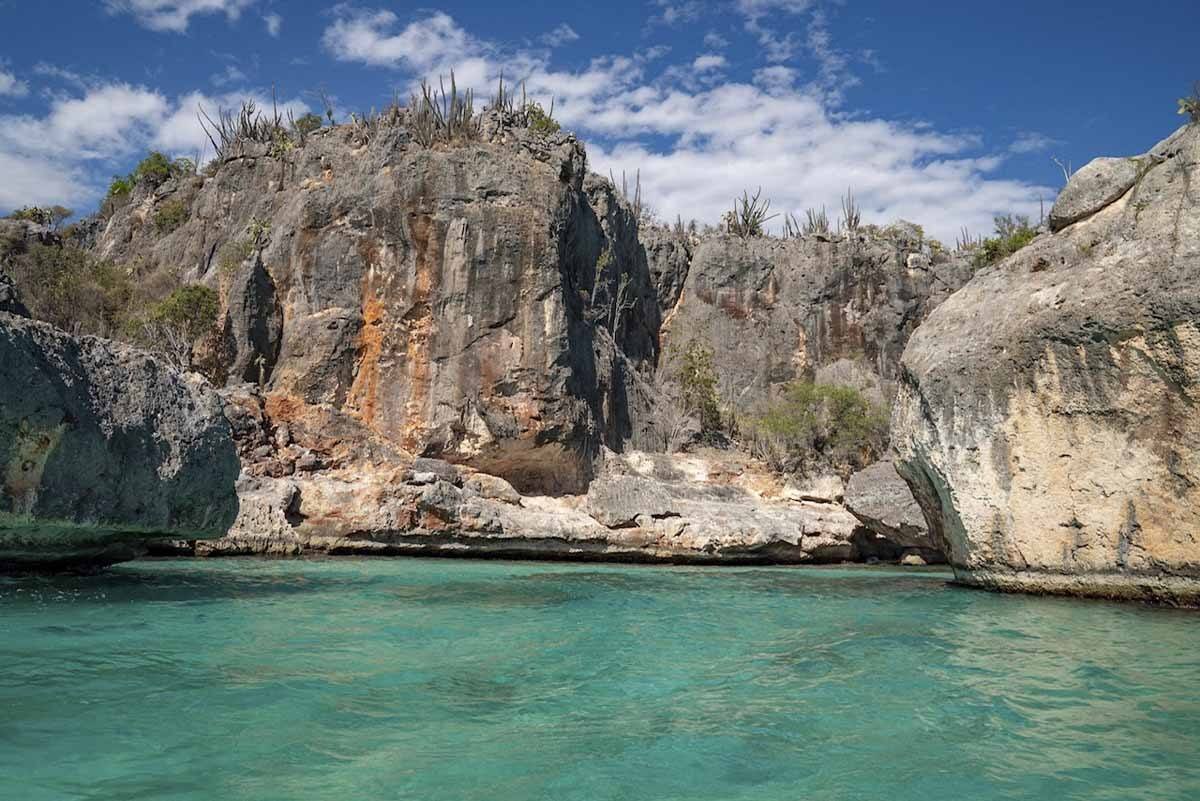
[836,308]
[101,448]
[487,304]
[1046,419]
[318,481]
[893,522]
[10,301]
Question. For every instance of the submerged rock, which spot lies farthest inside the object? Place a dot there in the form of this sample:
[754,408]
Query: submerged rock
[1046,419]
[101,448]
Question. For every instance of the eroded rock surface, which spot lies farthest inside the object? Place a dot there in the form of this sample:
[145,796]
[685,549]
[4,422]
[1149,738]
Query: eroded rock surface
[1046,419]
[488,304]
[318,481]
[837,308]
[892,519]
[102,448]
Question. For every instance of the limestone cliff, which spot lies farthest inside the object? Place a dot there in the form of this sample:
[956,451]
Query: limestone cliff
[838,308]
[1046,418]
[492,307]
[460,301]
[102,448]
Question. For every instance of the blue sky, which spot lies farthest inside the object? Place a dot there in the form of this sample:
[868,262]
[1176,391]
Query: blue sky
[944,113]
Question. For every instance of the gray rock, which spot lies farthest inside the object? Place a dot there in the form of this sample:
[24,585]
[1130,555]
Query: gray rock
[1046,421]
[881,499]
[103,448]
[10,300]
[492,488]
[775,310]
[253,324]
[819,489]
[1092,188]
[617,501]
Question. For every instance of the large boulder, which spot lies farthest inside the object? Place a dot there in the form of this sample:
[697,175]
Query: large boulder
[1046,419]
[893,521]
[101,448]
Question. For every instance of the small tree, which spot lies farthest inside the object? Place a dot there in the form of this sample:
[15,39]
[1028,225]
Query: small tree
[1013,232]
[819,426]
[697,378]
[1190,106]
[174,326]
[307,124]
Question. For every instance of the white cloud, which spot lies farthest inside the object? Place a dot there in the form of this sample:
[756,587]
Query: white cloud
[711,139]
[677,12]
[368,37]
[1032,142]
[562,35]
[230,74]
[11,87]
[708,62]
[68,154]
[715,41]
[175,15]
[274,24]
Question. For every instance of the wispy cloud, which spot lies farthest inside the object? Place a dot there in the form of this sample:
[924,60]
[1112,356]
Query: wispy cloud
[562,35]
[10,86]
[274,23]
[677,12]
[175,15]
[698,143]
[229,75]
[1032,142]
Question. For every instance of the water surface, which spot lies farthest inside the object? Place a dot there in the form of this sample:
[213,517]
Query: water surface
[430,680]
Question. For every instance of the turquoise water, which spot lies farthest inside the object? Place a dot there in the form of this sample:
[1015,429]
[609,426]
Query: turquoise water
[428,680]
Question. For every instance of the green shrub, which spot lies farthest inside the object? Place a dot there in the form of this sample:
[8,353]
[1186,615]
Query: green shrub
[540,121]
[233,253]
[120,187]
[307,124]
[819,426]
[1013,232]
[170,215]
[1190,106]
[192,309]
[173,326]
[697,378]
[153,170]
[52,216]
[69,288]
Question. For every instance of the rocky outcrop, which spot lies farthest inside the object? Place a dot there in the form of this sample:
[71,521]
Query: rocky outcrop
[837,308]
[1046,419]
[102,448]
[318,481]
[485,303]
[894,527]
[10,301]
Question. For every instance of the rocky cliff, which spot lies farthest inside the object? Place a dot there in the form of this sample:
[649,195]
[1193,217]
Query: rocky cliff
[102,448]
[1046,417]
[461,301]
[490,307]
[838,308]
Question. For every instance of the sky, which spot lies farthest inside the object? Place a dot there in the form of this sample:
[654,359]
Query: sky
[944,113]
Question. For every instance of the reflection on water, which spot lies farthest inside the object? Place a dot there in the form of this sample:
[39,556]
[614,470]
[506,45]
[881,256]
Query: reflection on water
[425,679]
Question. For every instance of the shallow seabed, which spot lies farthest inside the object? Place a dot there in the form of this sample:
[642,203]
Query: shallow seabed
[429,679]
